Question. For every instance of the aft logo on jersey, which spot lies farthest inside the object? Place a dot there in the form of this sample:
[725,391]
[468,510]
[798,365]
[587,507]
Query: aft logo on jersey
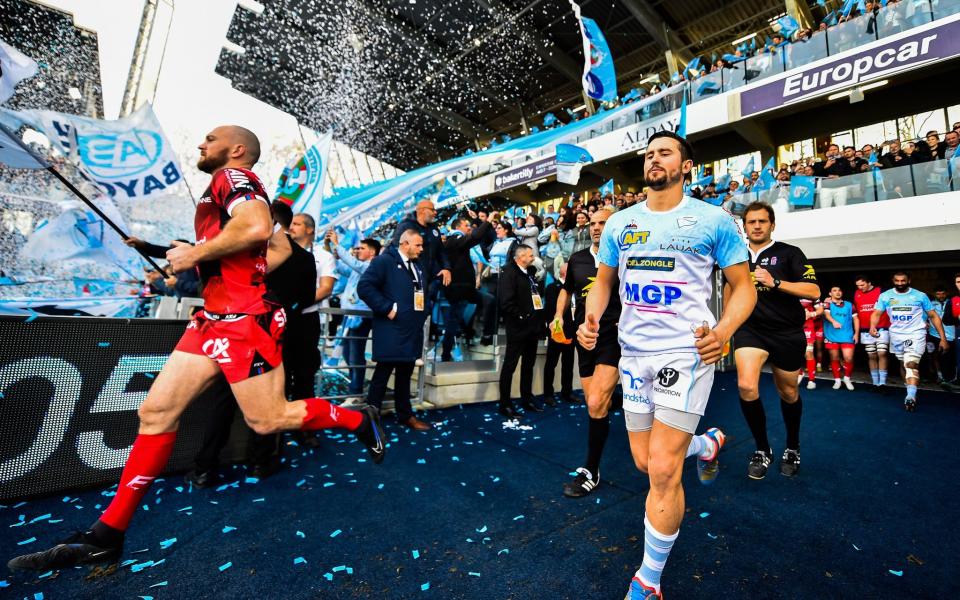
[631,237]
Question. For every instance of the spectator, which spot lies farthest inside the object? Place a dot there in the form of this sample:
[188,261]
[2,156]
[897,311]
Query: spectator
[464,281]
[855,162]
[181,285]
[433,261]
[357,328]
[500,254]
[577,238]
[394,287]
[523,311]
[895,156]
[952,140]
[548,229]
[527,234]
[557,351]
[834,167]
[935,148]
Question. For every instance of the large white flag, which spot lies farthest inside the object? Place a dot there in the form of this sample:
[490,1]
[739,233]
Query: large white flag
[13,154]
[15,66]
[129,157]
[301,184]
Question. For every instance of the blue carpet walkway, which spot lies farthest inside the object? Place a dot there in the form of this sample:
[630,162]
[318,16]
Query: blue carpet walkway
[474,510]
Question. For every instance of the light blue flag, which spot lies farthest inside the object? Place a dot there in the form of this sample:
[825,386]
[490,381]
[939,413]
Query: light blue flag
[847,7]
[788,26]
[447,192]
[767,180]
[822,3]
[724,182]
[607,189]
[549,120]
[682,125]
[599,77]
[570,159]
[693,67]
[732,58]
[703,181]
[803,190]
[709,86]
[831,18]
[748,169]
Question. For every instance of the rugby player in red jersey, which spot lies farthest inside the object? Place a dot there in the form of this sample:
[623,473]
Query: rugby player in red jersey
[876,346]
[813,309]
[237,334]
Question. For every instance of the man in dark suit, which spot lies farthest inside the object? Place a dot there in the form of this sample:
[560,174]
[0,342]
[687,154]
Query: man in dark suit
[462,290]
[394,287]
[432,261]
[522,307]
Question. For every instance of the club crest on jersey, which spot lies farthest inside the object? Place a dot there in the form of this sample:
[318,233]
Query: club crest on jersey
[685,222]
[629,238]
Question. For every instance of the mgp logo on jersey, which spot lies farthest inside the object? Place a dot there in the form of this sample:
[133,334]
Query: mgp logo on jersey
[217,349]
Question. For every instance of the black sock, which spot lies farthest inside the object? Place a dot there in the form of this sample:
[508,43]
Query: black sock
[596,439]
[757,422]
[791,419]
[106,536]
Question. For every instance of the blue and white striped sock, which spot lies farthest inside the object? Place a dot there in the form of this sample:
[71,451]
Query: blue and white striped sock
[656,549]
[911,391]
[875,376]
[883,377]
[700,445]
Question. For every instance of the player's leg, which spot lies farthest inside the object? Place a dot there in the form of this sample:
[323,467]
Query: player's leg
[598,391]
[666,448]
[870,347]
[749,361]
[791,407]
[810,360]
[883,351]
[834,350]
[846,351]
[183,378]
[912,354]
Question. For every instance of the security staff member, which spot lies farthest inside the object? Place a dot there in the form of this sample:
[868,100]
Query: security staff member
[523,310]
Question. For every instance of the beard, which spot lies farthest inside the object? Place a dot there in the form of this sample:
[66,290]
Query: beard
[902,288]
[211,162]
[662,180]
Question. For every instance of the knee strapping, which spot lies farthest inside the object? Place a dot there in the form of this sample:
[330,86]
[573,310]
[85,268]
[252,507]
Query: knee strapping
[912,373]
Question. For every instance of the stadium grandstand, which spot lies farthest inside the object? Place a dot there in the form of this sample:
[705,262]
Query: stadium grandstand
[479,298]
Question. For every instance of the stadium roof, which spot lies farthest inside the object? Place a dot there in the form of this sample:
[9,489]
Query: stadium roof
[414,81]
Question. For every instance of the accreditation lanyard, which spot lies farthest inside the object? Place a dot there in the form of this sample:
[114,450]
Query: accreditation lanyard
[535,294]
[418,298]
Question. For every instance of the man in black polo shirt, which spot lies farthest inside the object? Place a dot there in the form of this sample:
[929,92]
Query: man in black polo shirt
[599,368]
[774,334]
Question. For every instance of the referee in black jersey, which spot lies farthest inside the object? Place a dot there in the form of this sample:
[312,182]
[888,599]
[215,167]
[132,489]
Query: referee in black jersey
[774,334]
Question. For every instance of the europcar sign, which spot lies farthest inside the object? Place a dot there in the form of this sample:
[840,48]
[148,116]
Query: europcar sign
[917,48]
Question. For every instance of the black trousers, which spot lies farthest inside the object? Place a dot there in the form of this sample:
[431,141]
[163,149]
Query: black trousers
[521,350]
[556,352]
[301,355]
[260,448]
[402,372]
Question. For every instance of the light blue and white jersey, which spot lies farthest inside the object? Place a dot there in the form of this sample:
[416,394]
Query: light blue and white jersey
[907,311]
[665,261]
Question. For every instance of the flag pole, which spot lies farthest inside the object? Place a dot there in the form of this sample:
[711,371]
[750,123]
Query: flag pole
[51,169]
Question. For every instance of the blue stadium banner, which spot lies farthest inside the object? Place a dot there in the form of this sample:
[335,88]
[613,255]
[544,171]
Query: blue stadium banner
[599,77]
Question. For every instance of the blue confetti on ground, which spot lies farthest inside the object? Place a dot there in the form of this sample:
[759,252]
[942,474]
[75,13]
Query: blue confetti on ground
[225,566]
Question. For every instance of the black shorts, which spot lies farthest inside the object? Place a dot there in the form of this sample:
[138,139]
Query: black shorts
[606,352]
[787,349]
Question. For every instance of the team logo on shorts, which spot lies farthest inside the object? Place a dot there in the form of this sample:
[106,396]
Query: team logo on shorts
[636,383]
[668,376]
[217,349]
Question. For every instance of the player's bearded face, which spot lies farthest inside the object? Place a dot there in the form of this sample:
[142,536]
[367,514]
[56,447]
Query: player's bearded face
[901,284]
[212,158]
[663,172]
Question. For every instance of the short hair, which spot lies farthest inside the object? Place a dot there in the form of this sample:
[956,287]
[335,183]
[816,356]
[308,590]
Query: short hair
[373,244]
[408,234]
[757,205]
[521,248]
[686,150]
[940,288]
[249,140]
[507,227]
[862,277]
[849,148]
[931,132]
[458,221]
[308,220]
[953,131]
[901,272]
[281,213]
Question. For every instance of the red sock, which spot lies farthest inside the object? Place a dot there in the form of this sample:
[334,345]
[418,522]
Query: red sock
[811,369]
[147,459]
[848,368]
[324,415]
[835,367]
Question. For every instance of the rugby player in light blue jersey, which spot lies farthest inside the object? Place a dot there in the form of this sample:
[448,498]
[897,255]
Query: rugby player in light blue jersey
[660,255]
[909,310]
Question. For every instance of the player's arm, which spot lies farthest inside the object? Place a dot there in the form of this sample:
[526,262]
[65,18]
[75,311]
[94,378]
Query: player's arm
[250,226]
[278,250]
[597,301]
[800,289]
[324,288]
[856,325]
[829,317]
[937,323]
[875,320]
[563,304]
[740,298]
